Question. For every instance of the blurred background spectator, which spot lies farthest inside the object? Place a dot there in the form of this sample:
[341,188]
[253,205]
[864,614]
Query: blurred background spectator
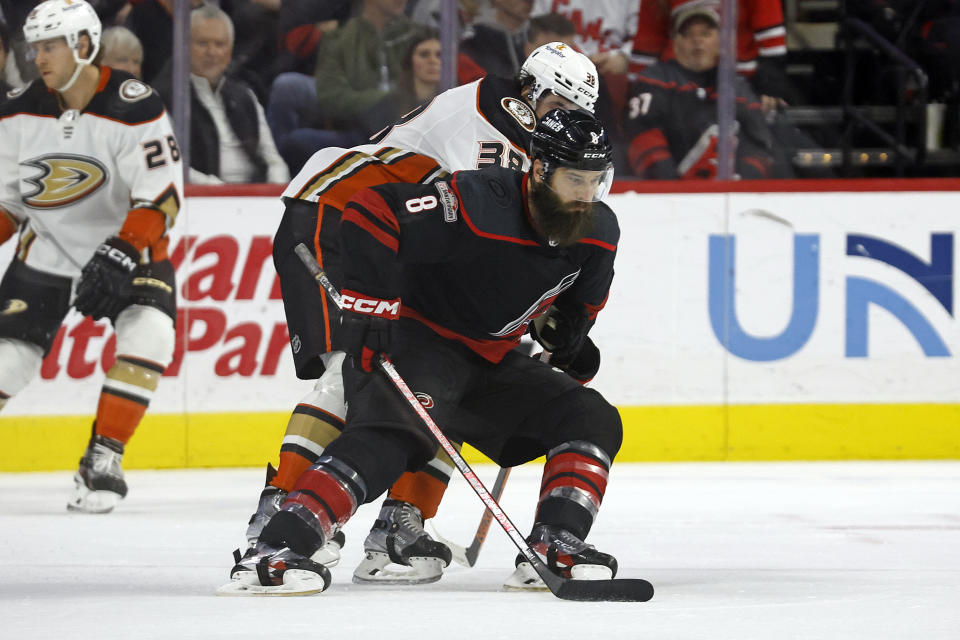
[419,71]
[761,42]
[229,137]
[4,50]
[672,111]
[549,27]
[122,50]
[495,46]
[152,22]
[359,64]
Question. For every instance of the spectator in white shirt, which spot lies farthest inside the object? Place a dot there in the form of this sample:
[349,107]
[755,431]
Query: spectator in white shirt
[230,141]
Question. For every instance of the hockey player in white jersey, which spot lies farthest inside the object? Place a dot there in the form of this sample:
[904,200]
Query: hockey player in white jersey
[90,181]
[483,123]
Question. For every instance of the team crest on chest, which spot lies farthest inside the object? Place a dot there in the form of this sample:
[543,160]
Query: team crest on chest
[520,111]
[133,90]
[62,180]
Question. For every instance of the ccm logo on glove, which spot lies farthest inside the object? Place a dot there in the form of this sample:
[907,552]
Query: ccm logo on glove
[117,256]
[372,306]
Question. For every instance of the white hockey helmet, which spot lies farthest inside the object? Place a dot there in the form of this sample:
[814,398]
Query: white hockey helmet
[64,19]
[556,67]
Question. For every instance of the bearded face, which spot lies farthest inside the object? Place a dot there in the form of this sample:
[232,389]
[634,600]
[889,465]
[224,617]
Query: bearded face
[562,222]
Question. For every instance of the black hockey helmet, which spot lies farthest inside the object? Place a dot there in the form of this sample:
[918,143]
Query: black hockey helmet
[574,140]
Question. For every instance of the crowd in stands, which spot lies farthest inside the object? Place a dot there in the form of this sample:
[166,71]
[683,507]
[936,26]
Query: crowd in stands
[272,81]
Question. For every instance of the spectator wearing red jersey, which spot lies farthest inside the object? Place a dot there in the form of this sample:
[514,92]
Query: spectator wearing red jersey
[761,41]
[671,119]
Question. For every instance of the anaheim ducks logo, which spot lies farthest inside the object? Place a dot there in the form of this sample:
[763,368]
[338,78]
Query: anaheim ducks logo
[12,306]
[521,112]
[63,179]
[133,90]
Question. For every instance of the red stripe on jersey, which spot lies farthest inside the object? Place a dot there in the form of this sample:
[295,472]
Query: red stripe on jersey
[375,204]
[484,234]
[647,149]
[598,243]
[355,217]
[594,309]
[492,350]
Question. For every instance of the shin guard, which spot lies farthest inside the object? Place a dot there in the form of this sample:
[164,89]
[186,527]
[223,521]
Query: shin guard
[574,481]
[323,500]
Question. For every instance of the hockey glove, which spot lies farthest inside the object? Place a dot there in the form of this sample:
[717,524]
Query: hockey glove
[561,333]
[584,366]
[106,280]
[366,327]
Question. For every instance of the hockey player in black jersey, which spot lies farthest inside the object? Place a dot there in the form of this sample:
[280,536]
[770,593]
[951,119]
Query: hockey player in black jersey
[484,123]
[446,278]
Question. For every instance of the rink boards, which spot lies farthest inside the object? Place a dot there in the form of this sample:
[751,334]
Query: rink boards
[741,326]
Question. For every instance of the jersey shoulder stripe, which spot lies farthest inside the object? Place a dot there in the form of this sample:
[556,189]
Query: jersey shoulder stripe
[355,170]
[606,229]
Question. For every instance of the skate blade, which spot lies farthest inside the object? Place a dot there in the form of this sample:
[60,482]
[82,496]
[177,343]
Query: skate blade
[295,583]
[524,578]
[86,501]
[376,568]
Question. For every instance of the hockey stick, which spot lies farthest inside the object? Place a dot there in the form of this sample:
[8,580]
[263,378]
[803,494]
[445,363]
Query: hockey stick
[467,556]
[621,590]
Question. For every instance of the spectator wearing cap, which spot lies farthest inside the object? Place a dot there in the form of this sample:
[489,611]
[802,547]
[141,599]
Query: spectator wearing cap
[671,119]
[761,42]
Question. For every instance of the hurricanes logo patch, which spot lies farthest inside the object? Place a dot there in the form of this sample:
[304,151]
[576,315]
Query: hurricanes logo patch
[133,90]
[63,179]
[424,399]
[12,306]
[520,111]
[295,343]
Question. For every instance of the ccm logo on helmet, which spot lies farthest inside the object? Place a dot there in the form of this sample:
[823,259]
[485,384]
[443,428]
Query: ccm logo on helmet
[371,306]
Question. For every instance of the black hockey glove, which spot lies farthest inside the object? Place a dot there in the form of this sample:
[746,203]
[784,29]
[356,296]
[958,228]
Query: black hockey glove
[582,367]
[106,280]
[366,327]
[561,333]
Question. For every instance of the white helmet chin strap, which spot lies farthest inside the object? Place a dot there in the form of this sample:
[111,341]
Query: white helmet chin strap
[76,73]
[81,63]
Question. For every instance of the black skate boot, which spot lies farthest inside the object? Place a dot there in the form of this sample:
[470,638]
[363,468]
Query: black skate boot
[270,571]
[271,499]
[565,554]
[99,483]
[398,537]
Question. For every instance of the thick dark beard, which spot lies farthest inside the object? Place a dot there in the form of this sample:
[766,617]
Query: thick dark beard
[562,223]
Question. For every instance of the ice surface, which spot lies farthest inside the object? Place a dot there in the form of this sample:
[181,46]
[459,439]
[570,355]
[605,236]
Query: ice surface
[739,551]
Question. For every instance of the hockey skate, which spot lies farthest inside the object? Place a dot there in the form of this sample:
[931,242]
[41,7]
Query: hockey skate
[269,571]
[99,480]
[565,554]
[398,550]
[271,499]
